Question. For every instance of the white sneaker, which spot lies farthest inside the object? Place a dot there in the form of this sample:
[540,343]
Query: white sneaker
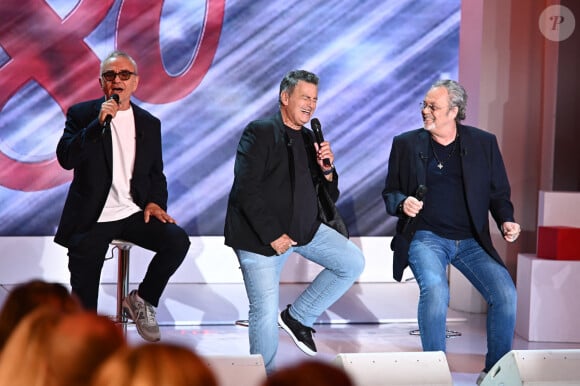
[143,314]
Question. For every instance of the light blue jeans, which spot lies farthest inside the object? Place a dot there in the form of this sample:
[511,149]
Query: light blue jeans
[343,262]
[429,256]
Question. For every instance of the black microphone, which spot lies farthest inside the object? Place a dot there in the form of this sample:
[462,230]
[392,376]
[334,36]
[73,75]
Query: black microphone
[419,195]
[317,129]
[109,117]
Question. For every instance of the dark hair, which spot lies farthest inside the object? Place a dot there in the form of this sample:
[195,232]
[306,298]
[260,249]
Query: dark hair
[457,96]
[292,78]
[309,372]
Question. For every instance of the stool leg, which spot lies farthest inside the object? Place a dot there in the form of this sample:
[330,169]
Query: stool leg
[122,281]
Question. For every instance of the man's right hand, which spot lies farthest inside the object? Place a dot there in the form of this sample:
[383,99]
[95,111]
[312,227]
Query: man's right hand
[282,244]
[412,206]
[109,107]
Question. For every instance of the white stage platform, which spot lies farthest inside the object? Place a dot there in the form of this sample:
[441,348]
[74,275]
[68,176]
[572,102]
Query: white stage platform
[206,297]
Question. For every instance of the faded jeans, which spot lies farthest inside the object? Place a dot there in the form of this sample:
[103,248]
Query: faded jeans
[343,262]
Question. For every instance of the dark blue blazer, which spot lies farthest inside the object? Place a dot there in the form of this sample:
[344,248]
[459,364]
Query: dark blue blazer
[87,148]
[485,182]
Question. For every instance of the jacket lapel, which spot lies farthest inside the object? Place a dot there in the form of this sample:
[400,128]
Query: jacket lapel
[422,151]
[107,141]
[139,136]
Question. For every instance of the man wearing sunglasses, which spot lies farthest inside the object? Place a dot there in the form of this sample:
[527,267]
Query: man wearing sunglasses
[119,191]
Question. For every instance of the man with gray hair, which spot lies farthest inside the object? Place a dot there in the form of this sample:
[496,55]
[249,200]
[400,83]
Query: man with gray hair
[119,191]
[442,181]
[280,177]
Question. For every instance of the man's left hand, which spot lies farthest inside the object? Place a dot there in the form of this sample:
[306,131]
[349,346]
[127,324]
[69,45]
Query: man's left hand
[323,151]
[152,209]
[511,231]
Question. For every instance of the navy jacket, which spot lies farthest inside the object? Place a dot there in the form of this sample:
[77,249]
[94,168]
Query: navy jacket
[261,200]
[85,148]
[485,182]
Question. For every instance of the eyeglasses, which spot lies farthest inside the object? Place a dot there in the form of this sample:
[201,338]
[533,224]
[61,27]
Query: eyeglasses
[110,76]
[430,106]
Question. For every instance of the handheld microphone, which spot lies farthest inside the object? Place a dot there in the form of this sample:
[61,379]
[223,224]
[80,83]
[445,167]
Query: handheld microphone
[109,117]
[317,129]
[419,195]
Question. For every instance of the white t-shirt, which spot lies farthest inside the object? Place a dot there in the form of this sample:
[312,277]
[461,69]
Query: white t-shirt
[119,204]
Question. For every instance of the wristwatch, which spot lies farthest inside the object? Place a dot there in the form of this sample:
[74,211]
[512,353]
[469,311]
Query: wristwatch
[329,171]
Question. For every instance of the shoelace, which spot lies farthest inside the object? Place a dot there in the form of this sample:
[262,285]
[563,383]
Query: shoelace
[145,311]
[150,314]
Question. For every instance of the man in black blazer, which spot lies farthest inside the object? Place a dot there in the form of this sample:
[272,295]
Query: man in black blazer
[119,191]
[273,211]
[459,174]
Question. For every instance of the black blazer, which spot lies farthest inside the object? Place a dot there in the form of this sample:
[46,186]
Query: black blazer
[261,200]
[87,149]
[485,182]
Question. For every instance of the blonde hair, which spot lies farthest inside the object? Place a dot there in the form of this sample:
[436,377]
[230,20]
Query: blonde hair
[27,297]
[23,361]
[153,364]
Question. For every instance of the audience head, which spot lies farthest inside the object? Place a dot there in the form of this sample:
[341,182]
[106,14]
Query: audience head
[79,344]
[27,297]
[309,373]
[153,364]
[23,361]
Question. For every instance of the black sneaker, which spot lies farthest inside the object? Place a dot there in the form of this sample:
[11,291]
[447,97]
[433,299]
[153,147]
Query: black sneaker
[301,335]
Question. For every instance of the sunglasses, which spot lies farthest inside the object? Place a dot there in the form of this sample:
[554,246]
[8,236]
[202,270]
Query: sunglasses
[110,76]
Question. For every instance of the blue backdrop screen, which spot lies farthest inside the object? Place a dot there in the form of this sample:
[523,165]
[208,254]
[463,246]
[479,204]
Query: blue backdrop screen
[207,68]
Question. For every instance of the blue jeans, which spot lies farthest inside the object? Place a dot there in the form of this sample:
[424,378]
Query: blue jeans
[343,262]
[429,256]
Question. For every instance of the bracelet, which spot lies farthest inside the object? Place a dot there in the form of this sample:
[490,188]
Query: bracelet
[329,171]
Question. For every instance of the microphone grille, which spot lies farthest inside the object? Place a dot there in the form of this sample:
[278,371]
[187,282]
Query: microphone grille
[315,123]
[421,191]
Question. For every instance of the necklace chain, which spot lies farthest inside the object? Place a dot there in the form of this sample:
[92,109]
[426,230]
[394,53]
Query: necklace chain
[440,163]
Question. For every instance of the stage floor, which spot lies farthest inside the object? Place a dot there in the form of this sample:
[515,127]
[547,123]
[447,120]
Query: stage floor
[369,318]
[465,353]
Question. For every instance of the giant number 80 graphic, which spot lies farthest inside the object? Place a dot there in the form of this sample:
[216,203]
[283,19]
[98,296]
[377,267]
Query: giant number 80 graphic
[52,51]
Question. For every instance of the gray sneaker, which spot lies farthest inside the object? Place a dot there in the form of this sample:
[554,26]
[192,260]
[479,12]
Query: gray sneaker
[143,314]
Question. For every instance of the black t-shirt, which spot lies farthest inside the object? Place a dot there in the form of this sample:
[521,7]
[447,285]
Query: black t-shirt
[305,205]
[445,208]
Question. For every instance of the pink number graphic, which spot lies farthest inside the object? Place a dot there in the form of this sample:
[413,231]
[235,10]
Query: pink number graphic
[141,40]
[51,51]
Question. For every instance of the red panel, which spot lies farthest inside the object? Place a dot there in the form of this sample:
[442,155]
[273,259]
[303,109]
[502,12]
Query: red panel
[559,242]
